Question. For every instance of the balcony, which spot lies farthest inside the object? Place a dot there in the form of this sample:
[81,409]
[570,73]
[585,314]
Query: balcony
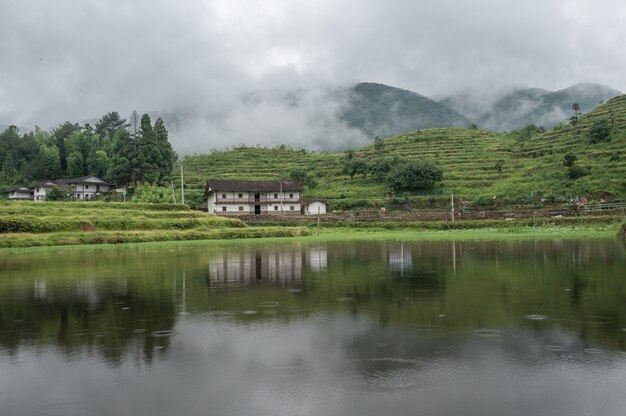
[257,201]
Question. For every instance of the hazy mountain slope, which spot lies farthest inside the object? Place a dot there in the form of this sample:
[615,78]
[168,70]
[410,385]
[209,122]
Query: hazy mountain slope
[380,110]
[532,166]
[530,106]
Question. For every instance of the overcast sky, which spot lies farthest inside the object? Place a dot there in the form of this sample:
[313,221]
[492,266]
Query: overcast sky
[78,59]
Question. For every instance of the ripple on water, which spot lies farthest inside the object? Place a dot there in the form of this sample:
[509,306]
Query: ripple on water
[161,334]
[425,328]
[598,320]
[344,299]
[270,312]
[534,317]
[487,333]
[250,312]
[593,351]
[267,304]
[554,348]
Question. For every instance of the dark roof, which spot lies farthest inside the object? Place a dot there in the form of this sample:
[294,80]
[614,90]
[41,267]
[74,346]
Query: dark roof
[217,185]
[16,188]
[82,179]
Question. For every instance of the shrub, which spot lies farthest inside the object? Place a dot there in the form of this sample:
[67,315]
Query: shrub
[414,176]
[569,159]
[577,171]
[600,131]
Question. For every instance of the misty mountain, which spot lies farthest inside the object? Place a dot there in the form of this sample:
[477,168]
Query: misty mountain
[537,106]
[381,110]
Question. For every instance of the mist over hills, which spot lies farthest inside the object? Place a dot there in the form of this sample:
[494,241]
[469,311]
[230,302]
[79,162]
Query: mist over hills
[339,118]
[381,110]
[519,108]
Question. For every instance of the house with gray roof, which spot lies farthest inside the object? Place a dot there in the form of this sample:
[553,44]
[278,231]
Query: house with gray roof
[253,197]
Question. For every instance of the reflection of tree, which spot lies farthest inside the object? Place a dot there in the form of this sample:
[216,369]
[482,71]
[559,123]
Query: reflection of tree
[109,326]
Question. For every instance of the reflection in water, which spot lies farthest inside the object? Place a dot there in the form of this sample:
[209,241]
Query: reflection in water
[485,328]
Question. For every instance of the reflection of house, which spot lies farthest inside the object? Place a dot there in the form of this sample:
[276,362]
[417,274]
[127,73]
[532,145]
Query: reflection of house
[253,197]
[317,258]
[19,193]
[400,259]
[256,266]
[315,208]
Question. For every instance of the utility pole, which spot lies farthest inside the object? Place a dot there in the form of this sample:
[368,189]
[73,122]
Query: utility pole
[182,185]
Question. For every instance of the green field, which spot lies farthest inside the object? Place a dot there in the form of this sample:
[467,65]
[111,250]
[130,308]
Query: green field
[533,171]
[27,224]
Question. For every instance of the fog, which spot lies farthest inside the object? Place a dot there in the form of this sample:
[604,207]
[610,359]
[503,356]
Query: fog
[223,67]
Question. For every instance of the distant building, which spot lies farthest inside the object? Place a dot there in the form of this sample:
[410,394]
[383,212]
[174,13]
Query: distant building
[87,187]
[84,189]
[253,197]
[315,207]
[19,193]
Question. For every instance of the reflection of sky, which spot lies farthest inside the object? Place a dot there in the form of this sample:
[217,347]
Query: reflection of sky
[324,365]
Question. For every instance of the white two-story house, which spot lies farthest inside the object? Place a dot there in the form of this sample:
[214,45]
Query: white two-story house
[253,197]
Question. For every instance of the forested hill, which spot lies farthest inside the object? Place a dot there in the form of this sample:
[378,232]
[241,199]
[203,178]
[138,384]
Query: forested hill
[114,150]
[384,111]
[585,157]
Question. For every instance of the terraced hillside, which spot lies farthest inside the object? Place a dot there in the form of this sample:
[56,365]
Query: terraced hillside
[25,224]
[531,167]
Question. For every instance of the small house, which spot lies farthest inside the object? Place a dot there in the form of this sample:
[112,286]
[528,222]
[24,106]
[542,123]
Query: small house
[315,207]
[20,193]
[253,197]
[86,187]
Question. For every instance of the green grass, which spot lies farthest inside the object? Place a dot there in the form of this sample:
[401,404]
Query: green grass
[533,167]
[25,224]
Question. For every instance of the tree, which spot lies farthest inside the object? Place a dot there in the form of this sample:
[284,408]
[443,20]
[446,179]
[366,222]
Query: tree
[59,135]
[49,161]
[379,167]
[165,163]
[414,176]
[600,131]
[123,164]
[352,167]
[75,164]
[569,160]
[109,123]
[379,145]
[499,165]
[576,171]
[61,193]
[298,175]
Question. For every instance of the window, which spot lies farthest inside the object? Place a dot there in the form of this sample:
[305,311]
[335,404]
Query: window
[290,195]
[275,196]
[240,196]
[223,196]
[275,207]
[223,208]
[240,208]
[292,207]
[86,186]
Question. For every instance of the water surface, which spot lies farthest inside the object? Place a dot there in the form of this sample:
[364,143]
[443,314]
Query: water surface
[357,328]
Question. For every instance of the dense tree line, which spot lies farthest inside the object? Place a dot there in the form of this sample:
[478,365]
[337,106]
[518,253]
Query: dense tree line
[114,150]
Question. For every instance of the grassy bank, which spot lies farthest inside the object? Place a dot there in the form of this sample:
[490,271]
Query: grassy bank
[30,224]
[282,235]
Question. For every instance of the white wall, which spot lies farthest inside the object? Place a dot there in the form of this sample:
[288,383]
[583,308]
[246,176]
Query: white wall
[316,207]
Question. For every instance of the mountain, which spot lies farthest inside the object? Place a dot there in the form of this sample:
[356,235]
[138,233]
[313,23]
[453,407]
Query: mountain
[381,110]
[519,108]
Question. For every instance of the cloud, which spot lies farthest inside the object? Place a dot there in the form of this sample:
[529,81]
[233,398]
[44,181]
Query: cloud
[75,60]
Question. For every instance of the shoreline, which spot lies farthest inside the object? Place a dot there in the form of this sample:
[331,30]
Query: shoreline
[288,235]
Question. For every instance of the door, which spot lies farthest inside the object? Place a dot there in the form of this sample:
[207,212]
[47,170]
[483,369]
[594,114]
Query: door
[257,209]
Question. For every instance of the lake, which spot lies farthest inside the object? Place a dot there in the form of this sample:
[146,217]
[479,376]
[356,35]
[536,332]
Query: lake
[337,328]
